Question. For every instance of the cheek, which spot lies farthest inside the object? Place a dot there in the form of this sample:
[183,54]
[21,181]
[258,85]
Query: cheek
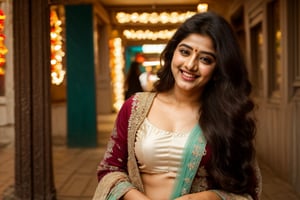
[177,59]
[206,71]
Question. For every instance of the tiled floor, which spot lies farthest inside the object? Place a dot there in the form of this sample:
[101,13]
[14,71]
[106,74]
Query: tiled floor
[6,169]
[75,170]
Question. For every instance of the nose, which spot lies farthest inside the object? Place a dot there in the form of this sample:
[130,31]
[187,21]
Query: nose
[191,62]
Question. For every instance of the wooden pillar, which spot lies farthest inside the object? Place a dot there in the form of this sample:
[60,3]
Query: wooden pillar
[33,158]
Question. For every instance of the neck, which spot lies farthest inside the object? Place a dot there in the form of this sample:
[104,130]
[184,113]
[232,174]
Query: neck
[185,98]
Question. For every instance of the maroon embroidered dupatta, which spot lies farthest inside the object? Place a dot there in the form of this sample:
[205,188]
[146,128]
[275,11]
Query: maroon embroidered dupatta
[119,165]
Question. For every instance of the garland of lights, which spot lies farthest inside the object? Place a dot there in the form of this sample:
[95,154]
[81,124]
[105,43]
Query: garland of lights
[153,18]
[57,54]
[117,72]
[148,35]
[3,49]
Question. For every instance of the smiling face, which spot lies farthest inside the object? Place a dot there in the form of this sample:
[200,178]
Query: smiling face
[193,62]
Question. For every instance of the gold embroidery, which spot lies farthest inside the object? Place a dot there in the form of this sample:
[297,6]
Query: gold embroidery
[191,166]
[108,181]
[187,180]
[200,181]
[140,108]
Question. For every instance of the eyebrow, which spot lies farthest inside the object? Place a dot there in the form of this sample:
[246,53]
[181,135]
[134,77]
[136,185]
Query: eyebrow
[205,52]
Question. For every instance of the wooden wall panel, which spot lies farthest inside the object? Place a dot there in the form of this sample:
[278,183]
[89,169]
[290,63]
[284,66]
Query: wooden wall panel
[295,148]
[278,139]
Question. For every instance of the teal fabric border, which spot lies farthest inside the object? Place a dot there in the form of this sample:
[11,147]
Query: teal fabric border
[192,155]
[119,190]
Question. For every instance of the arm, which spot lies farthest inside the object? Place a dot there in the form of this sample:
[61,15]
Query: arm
[214,195]
[202,181]
[115,157]
[206,195]
[112,170]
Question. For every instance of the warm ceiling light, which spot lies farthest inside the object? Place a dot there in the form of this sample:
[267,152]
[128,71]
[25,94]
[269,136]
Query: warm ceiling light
[153,18]
[153,48]
[202,7]
[148,35]
[151,63]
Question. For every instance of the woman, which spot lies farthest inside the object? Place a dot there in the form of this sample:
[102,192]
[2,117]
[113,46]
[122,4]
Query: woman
[193,137]
[132,82]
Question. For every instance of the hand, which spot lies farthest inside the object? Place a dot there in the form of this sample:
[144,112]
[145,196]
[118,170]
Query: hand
[206,195]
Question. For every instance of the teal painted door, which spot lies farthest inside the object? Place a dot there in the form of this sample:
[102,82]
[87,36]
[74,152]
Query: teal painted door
[81,90]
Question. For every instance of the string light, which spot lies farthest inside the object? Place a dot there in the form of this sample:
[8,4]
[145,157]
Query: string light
[117,68]
[148,35]
[153,18]
[202,7]
[57,53]
[3,49]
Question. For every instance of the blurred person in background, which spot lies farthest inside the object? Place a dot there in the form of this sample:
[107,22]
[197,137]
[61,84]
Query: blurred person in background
[132,82]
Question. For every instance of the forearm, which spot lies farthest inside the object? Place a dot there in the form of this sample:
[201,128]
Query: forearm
[231,196]
[206,195]
[134,194]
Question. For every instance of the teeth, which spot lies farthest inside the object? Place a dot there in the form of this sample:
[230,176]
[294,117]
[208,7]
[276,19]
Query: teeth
[188,75]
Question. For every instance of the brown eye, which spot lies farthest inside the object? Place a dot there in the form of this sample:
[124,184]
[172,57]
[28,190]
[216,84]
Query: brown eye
[184,52]
[206,60]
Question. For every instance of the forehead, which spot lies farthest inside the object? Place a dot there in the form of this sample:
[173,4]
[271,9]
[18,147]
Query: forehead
[198,42]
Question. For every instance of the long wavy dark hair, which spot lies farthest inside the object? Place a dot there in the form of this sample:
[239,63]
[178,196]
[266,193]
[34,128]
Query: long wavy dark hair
[226,106]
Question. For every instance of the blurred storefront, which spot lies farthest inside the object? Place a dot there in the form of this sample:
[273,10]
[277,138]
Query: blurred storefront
[6,74]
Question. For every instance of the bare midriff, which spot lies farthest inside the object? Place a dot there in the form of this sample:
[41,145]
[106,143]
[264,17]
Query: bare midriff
[158,186]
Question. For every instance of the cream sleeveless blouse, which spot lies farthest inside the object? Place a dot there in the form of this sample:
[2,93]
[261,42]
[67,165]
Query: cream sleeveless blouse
[159,154]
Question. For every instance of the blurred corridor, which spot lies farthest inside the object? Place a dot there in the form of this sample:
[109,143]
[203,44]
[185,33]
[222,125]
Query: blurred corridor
[64,83]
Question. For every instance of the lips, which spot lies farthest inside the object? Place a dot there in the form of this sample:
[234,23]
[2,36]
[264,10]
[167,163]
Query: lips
[188,76]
